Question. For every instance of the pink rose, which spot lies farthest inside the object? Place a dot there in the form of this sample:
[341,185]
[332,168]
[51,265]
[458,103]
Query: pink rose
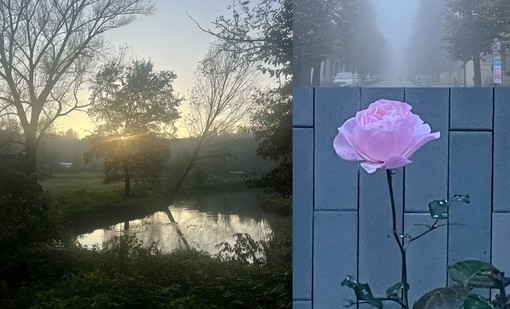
[383,136]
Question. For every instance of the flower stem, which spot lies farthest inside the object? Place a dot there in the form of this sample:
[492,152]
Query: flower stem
[405,301]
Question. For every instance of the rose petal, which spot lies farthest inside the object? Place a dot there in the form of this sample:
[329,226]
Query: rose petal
[419,141]
[420,127]
[344,149]
[383,144]
[371,167]
[348,130]
[396,162]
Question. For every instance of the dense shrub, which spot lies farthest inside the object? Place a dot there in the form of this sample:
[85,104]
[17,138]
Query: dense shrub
[128,275]
[27,213]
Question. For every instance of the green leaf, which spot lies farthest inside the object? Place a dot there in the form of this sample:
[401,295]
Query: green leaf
[394,290]
[443,298]
[460,198]
[362,291]
[439,209]
[474,301]
[473,273]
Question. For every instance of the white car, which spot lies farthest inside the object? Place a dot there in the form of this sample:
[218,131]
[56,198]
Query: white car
[345,79]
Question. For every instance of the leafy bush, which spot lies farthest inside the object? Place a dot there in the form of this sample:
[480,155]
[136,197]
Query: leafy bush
[127,275]
[27,213]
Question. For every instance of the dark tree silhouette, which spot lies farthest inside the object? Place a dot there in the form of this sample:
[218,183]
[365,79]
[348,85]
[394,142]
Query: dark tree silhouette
[135,108]
[47,49]
[322,29]
[221,99]
[263,34]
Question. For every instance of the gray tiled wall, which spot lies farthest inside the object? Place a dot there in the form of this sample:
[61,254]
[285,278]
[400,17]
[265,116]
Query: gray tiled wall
[342,214]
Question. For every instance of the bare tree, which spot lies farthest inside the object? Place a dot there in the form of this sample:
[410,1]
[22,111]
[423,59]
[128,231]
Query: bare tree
[221,99]
[47,48]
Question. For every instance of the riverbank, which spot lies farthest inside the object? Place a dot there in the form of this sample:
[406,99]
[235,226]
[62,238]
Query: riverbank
[89,204]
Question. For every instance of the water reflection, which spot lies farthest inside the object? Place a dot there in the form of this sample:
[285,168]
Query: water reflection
[200,223]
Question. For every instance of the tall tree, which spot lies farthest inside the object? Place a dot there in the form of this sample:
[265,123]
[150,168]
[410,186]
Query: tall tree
[263,34]
[47,48]
[367,43]
[425,55]
[469,32]
[135,108]
[272,126]
[221,99]
[322,29]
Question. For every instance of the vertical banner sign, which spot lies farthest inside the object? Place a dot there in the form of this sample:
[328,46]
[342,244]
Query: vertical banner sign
[496,62]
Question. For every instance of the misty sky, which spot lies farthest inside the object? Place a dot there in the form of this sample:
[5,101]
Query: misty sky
[169,38]
[395,19]
[173,42]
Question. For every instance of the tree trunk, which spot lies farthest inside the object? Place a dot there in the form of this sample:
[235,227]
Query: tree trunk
[477,78]
[316,78]
[183,177]
[31,153]
[127,182]
[302,73]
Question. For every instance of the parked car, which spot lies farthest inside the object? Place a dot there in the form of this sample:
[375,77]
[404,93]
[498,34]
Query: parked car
[422,80]
[345,79]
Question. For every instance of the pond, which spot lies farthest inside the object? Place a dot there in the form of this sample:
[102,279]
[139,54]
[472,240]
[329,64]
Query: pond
[201,222]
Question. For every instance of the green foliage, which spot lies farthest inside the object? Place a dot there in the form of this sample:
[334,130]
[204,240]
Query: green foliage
[394,290]
[439,208]
[272,127]
[322,29]
[125,274]
[470,28]
[261,33]
[474,301]
[362,291]
[264,33]
[443,298]
[135,107]
[478,274]
[182,279]
[245,250]
[467,275]
[27,214]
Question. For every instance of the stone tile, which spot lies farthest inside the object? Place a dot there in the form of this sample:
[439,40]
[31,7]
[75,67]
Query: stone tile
[471,108]
[302,107]
[335,179]
[379,257]
[301,304]
[470,173]
[500,241]
[335,247]
[426,256]
[302,214]
[426,178]
[501,149]
[369,95]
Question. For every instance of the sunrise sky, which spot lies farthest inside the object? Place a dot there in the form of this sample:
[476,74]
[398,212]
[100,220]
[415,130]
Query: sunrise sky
[169,38]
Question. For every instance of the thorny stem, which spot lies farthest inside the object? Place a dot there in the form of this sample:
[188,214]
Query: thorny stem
[405,300]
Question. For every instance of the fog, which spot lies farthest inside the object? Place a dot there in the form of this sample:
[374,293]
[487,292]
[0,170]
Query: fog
[394,43]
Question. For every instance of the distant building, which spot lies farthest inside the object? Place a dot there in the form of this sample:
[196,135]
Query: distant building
[65,165]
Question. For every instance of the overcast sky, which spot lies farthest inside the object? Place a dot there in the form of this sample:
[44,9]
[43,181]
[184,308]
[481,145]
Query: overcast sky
[395,19]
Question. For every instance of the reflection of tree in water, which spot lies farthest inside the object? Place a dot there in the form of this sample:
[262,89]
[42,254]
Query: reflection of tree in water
[201,223]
